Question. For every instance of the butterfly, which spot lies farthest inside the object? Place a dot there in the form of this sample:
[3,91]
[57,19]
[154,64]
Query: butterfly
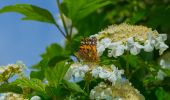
[87,50]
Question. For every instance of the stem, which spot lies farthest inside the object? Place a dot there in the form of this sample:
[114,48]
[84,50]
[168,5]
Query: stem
[71,30]
[127,63]
[62,17]
[60,30]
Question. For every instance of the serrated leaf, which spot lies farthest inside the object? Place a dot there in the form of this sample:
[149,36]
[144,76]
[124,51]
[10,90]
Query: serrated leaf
[79,9]
[55,74]
[73,86]
[52,50]
[37,74]
[10,88]
[31,12]
[53,91]
[34,84]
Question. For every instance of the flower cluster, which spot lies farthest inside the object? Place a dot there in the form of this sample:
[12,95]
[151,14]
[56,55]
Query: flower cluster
[165,65]
[110,73]
[123,91]
[8,71]
[13,96]
[120,38]
[112,76]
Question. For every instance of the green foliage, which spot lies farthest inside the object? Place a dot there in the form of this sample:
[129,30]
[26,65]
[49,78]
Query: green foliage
[56,74]
[56,92]
[34,84]
[161,94]
[82,9]
[30,12]
[89,17]
[37,74]
[10,88]
[73,86]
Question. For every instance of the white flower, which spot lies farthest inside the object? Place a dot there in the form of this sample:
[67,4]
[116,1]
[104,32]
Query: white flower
[104,74]
[115,75]
[96,71]
[102,45]
[160,43]
[80,72]
[162,37]
[149,44]
[112,76]
[160,75]
[100,92]
[133,47]
[116,49]
[100,49]
[162,47]
[162,63]
[35,98]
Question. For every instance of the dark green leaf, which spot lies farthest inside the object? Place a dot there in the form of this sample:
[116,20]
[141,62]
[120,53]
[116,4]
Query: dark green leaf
[83,8]
[37,74]
[73,86]
[52,50]
[30,12]
[10,88]
[56,59]
[162,94]
[60,91]
[34,84]
[55,74]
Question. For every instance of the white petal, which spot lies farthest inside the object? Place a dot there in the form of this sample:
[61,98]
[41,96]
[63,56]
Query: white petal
[162,37]
[35,98]
[162,48]
[104,74]
[148,47]
[135,51]
[162,63]
[106,42]
[161,75]
[100,49]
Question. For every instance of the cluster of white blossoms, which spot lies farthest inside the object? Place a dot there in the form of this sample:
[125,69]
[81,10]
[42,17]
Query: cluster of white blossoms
[113,76]
[110,73]
[14,96]
[11,96]
[77,70]
[8,71]
[120,38]
[122,91]
[165,64]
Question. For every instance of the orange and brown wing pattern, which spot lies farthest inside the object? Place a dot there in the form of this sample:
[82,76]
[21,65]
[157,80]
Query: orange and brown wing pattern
[88,51]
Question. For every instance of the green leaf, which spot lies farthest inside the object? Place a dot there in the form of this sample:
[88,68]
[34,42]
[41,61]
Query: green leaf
[10,88]
[37,74]
[73,86]
[137,16]
[54,50]
[161,94]
[54,54]
[60,92]
[55,74]
[79,9]
[56,59]
[31,12]
[34,84]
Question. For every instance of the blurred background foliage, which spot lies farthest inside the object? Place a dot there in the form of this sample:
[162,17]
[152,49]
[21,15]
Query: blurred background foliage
[90,17]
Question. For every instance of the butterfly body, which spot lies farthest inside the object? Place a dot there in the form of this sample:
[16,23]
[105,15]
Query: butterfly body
[87,50]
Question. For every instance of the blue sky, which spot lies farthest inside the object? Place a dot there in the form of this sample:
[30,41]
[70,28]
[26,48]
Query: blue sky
[26,40]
